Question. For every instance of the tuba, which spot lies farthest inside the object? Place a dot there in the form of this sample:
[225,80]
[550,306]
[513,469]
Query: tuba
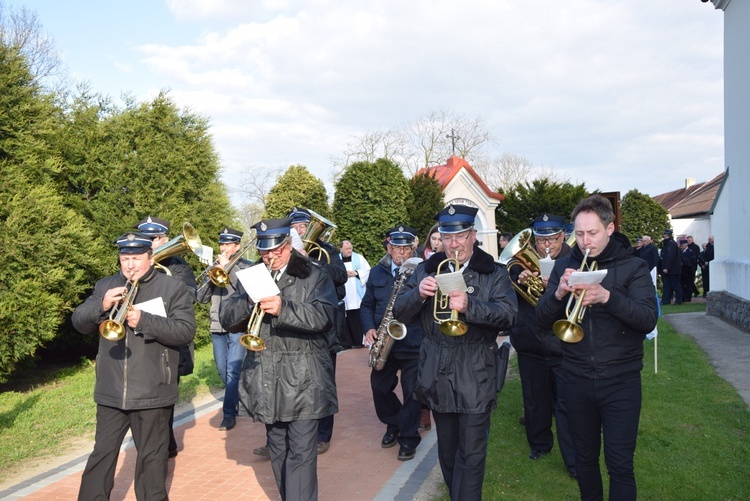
[450,325]
[520,252]
[113,329]
[319,227]
[569,330]
[189,240]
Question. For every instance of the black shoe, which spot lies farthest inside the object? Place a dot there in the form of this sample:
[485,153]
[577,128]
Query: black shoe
[389,440]
[538,454]
[572,472]
[406,453]
[522,420]
[227,423]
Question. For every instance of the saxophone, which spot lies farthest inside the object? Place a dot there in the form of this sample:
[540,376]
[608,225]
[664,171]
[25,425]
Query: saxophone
[391,330]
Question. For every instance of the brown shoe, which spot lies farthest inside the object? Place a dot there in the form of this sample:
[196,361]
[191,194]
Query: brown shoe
[261,451]
[323,447]
[425,423]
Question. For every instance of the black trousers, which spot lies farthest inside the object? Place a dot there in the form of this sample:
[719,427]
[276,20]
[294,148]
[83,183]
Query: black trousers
[400,417]
[612,408]
[351,335]
[544,397]
[462,451]
[670,284]
[150,429]
[293,448]
[325,424]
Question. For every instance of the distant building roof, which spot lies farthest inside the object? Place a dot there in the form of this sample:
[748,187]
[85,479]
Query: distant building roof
[445,174]
[691,201]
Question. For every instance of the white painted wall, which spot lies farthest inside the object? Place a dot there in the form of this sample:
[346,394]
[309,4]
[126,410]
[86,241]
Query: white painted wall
[730,271]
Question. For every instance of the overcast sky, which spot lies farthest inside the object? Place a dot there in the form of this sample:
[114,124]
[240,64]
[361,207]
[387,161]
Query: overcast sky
[619,94]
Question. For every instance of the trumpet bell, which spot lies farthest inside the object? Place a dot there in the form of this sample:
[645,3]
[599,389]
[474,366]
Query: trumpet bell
[252,343]
[453,328]
[567,331]
[188,241]
[111,330]
[218,276]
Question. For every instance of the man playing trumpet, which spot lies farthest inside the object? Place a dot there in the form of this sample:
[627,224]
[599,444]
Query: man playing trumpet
[289,385]
[228,352]
[603,371]
[136,376]
[540,354]
[457,375]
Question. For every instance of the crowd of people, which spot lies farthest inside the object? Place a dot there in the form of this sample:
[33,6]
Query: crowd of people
[276,337]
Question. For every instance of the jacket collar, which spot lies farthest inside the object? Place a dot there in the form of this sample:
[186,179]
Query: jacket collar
[480,261]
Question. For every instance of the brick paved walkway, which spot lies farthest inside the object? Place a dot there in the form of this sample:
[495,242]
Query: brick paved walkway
[220,465]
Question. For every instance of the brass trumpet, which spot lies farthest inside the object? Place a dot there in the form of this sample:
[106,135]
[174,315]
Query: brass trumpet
[569,330]
[251,340]
[113,329]
[451,325]
[218,275]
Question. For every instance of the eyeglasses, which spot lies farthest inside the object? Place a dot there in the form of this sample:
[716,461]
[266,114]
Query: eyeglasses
[548,240]
[402,248]
[276,251]
[456,239]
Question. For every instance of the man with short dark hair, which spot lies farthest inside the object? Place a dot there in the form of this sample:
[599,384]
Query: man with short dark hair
[289,385]
[136,384]
[458,377]
[603,370]
[505,238]
[539,352]
[689,263]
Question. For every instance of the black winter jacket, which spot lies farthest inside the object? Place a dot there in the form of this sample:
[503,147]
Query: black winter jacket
[670,258]
[292,379]
[613,332]
[458,374]
[377,294]
[140,370]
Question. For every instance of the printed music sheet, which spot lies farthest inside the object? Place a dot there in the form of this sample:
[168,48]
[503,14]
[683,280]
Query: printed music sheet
[545,267]
[451,282]
[586,277]
[258,282]
[154,306]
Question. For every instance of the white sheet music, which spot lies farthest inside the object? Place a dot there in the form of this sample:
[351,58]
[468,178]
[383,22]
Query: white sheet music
[545,267]
[258,282]
[154,306]
[207,255]
[451,282]
[586,277]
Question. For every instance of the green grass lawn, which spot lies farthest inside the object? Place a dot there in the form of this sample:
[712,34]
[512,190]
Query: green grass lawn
[57,409]
[692,442]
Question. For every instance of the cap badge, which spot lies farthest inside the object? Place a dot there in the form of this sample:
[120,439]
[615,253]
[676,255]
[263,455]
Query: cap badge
[225,230]
[401,229]
[148,220]
[451,210]
[131,237]
[545,218]
[263,227]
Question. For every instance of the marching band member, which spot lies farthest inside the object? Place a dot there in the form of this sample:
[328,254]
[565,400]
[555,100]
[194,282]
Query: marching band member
[228,352]
[540,354]
[401,418]
[457,375]
[290,384]
[136,377]
[157,229]
[602,372]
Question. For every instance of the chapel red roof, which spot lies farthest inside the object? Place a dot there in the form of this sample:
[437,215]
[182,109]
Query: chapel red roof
[445,174]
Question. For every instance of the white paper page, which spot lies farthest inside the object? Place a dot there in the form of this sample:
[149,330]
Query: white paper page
[207,255]
[545,267]
[258,282]
[451,282]
[586,277]
[154,306]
